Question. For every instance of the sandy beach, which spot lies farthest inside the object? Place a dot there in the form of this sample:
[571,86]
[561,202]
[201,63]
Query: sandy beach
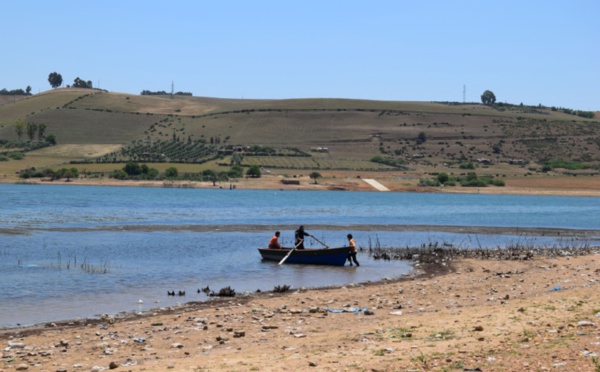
[467,315]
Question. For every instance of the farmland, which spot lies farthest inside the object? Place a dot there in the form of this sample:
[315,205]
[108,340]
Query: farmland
[93,127]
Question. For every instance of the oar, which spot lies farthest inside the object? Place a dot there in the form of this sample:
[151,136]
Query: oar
[287,255]
[326,246]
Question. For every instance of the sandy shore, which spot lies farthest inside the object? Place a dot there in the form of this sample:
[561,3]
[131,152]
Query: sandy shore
[468,314]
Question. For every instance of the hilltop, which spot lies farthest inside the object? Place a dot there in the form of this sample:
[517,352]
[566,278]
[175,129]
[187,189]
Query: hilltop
[98,131]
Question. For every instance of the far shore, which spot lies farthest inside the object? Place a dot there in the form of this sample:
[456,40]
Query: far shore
[565,186]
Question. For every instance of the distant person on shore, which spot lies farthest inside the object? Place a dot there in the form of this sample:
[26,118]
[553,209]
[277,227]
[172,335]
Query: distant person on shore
[352,253]
[299,237]
[274,243]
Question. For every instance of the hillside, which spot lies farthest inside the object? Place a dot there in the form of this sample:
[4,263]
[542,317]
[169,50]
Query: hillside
[415,136]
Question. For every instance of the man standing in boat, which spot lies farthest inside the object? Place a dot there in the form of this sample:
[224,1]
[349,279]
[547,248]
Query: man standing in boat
[299,237]
[274,243]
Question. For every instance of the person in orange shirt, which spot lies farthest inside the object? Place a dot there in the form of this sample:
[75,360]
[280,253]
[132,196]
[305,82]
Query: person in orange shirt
[274,243]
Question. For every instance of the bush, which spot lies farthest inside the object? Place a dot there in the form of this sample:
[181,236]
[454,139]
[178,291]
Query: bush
[428,182]
[16,155]
[387,161]
[3,158]
[253,171]
[119,175]
[466,165]
[236,171]
[570,165]
[443,178]
[171,172]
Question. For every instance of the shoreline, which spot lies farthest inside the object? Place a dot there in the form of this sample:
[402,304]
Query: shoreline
[343,183]
[495,315]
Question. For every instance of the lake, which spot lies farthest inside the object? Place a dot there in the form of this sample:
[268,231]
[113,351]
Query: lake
[81,251]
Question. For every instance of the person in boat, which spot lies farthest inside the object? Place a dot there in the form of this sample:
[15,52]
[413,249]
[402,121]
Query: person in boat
[274,243]
[299,237]
[352,253]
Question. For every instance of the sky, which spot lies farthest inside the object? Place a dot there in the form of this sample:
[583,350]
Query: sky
[531,52]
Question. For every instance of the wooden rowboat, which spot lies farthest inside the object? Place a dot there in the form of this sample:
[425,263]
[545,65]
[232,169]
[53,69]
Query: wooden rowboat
[328,256]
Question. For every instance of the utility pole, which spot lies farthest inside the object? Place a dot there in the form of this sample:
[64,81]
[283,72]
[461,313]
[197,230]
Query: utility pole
[172,89]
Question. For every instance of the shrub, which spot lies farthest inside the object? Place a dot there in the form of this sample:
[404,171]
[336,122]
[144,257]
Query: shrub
[443,178]
[171,172]
[236,171]
[16,155]
[119,175]
[498,182]
[253,171]
[570,165]
[466,165]
[428,182]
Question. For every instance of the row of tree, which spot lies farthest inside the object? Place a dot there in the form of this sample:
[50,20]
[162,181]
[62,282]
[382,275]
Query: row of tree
[16,92]
[33,129]
[163,93]
[55,79]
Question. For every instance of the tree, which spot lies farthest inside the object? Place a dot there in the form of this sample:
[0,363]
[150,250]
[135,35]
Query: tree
[31,130]
[171,172]
[443,178]
[41,131]
[488,98]
[236,171]
[79,83]
[421,138]
[237,158]
[314,176]
[253,171]
[28,90]
[55,79]
[20,128]
[211,175]
[132,169]
[51,139]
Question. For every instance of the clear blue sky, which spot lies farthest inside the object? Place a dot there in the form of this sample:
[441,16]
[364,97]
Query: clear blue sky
[527,52]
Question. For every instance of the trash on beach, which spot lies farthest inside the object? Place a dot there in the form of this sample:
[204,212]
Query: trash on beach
[354,310]
[139,339]
[557,288]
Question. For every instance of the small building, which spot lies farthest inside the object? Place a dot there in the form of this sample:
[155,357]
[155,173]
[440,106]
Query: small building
[290,182]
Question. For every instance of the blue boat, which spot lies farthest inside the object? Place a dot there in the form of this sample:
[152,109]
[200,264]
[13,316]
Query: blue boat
[327,256]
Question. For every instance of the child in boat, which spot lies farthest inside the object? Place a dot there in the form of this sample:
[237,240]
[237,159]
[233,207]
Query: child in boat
[352,254]
[274,243]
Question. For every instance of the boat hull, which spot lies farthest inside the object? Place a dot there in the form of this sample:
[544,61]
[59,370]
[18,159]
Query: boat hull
[330,256]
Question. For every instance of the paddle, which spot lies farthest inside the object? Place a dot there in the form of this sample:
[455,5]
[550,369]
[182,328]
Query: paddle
[287,255]
[312,236]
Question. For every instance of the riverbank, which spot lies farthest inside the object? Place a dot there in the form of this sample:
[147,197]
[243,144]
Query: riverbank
[464,314]
[349,181]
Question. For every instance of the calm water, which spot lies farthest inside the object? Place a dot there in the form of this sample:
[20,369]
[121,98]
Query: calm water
[70,251]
